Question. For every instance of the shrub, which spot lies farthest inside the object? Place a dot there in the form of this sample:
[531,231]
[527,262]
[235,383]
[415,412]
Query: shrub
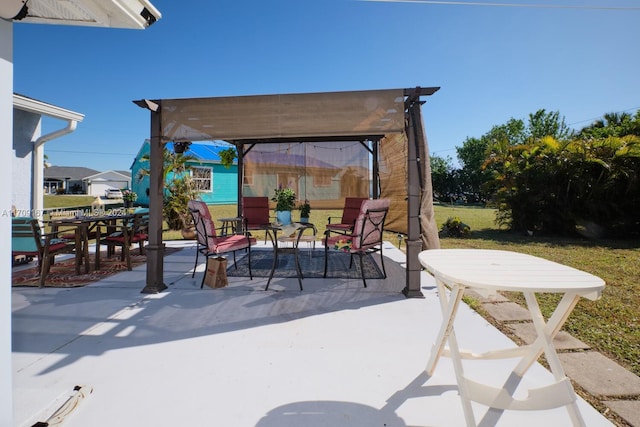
[454,227]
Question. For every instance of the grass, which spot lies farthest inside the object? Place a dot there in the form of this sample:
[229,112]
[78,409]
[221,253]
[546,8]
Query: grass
[66,201]
[609,325]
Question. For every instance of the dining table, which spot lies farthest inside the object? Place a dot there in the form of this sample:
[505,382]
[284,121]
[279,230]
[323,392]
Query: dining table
[489,272]
[89,227]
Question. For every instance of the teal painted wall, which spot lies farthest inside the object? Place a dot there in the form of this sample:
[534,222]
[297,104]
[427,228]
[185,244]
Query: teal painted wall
[224,186]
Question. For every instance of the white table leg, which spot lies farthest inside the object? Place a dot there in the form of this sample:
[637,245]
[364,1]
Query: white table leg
[449,308]
[469,390]
[544,342]
[446,334]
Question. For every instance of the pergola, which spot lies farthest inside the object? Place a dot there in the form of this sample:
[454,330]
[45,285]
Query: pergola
[376,117]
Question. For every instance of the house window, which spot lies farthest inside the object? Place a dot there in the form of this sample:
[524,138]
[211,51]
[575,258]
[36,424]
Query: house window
[248,177]
[322,181]
[202,178]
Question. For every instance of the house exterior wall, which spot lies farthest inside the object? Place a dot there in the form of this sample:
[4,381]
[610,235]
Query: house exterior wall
[97,184]
[6,134]
[224,185]
[140,185]
[26,129]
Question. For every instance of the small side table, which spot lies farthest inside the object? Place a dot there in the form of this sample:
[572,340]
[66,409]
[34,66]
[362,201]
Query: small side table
[293,234]
[489,271]
[233,223]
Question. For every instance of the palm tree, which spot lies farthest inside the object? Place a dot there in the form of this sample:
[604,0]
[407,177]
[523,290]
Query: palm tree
[178,187]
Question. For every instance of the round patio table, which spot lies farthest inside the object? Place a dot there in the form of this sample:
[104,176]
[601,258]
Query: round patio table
[489,271]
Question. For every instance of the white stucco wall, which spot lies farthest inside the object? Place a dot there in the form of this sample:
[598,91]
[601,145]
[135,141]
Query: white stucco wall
[26,129]
[6,136]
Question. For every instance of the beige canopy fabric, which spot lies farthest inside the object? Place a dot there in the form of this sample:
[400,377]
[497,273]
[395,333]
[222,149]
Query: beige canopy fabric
[385,122]
[373,112]
[393,179]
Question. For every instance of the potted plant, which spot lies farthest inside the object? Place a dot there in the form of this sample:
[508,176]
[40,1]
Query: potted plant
[305,210]
[129,196]
[285,199]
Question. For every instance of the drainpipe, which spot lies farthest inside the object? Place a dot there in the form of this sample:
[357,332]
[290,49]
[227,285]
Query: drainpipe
[37,201]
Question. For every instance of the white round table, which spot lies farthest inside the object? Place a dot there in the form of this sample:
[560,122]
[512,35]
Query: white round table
[489,271]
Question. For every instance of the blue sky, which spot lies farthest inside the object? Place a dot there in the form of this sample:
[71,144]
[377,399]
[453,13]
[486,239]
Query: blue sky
[492,63]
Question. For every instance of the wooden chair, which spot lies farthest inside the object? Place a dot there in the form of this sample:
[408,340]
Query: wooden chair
[366,236]
[349,214]
[28,240]
[255,214]
[209,244]
[132,230]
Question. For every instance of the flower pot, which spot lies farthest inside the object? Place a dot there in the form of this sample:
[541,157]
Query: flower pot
[128,203]
[283,217]
[304,219]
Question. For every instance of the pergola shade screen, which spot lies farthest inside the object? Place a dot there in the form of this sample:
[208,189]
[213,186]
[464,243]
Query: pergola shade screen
[324,173]
[375,112]
[249,122]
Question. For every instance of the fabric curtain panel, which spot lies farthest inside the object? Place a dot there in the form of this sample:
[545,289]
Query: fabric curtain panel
[324,173]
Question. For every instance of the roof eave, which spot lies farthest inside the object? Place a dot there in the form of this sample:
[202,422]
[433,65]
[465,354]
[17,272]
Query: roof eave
[126,14]
[38,107]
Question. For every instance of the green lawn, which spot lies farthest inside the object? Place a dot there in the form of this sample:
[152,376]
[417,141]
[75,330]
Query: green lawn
[610,325]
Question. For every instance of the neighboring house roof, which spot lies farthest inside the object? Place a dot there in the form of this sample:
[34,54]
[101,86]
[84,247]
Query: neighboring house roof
[68,172]
[99,175]
[205,152]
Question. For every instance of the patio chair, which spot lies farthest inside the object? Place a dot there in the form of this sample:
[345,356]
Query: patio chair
[28,240]
[209,244]
[255,214]
[366,237]
[132,230]
[349,214]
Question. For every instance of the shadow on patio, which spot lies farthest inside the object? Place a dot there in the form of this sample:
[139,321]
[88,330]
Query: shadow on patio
[333,354]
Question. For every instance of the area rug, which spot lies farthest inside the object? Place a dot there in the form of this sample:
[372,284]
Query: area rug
[63,273]
[312,265]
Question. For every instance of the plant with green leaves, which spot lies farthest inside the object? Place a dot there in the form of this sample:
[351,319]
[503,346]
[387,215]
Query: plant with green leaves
[285,199]
[227,156]
[454,227]
[305,209]
[179,188]
[129,195]
[557,187]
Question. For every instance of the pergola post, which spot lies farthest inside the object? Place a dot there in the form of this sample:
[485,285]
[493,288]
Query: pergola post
[155,248]
[414,243]
[240,152]
[422,230]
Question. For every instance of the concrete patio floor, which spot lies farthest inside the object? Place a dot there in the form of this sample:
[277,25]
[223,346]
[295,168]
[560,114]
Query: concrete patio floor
[335,354]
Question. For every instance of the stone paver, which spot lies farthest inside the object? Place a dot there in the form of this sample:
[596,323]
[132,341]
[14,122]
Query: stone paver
[563,341]
[599,375]
[629,410]
[482,298]
[507,311]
